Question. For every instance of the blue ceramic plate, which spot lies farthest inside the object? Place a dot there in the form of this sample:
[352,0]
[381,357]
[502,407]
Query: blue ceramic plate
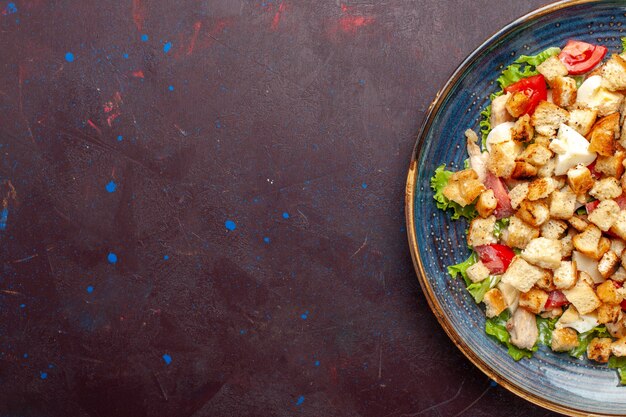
[555,381]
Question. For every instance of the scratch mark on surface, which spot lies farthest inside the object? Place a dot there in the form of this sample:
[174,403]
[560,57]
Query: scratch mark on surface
[94,127]
[139,13]
[21,101]
[473,402]
[10,292]
[158,383]
[277,16]
[432,407]
[359,249]
[28,258]
[194,37]
[380,357]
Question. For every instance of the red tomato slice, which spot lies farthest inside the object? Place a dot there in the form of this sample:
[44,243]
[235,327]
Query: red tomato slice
[592,206]
[621,201]
[534,88]
[496,257]
[503,209]
[556,299]
[581,57]
[623,305]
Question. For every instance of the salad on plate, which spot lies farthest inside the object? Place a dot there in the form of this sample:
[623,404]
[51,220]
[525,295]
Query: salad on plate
[544,193]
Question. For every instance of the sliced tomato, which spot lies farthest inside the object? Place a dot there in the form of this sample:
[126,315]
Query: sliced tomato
[556,299]
[621,201]
[581,57]
[592,206]
[495,257]
[623,305]
[503,209]
[534,88]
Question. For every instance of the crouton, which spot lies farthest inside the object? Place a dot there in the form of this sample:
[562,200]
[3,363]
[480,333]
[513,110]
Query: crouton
[618,246]
[607,292]
[542,140]
[599,349]
[619,275]
[545,282]
[522,327]
[564,91]
[523,170]
[477,272]
[553,229]
[518,233]
[591,242]
[548,169]
[606,188]
[565,275]
[533,300]
[564,340]
[608,313]
[613,73]
[486,203]
[580,179]
[552,68]
[619,226]
[522,275]
[605,215]
[562,203]
[536,155]
[481,231]
[611,166]
[608,264]
[463,187]
[494,302]
[517,104]
[535,213]
[566,244]
[603,134]
[582,120]
[522,131]
[547,118]
[578,223]
[543,252]
[541,188]
[501,161]
[582,297]
[518,194]
[499,114]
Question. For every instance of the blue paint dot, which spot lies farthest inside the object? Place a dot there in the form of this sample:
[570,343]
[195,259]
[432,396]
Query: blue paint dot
[69,57]
[285,215]
[266,239]
[43,375]
[364,185]
[112,258]
[171,88]
[218,124]
[125,56]
[166,257]
[167,359]
[50,366]
[305,315]
[90,289]
[300,400]
[111,186]
[22,305]
[242,331]
[120,138]
[11,8]
[144,38]
[493,383]
[230,225]
[317,363]
[167,47]
[362,82]
[25,355]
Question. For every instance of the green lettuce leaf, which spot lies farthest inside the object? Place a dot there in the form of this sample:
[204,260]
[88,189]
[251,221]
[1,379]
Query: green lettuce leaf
[500,226]
[438,182]
[478,289]
[585,338]
[525,66]
[461,268]
[623,45]
[496,328]
[619,363]
[545,326]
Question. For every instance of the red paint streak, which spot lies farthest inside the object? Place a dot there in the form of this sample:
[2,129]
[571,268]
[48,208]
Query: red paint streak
[350,24]
[194,37]
[277,16]
[93,125]
[139,14]
[333,375]
[138,74]
[113,108]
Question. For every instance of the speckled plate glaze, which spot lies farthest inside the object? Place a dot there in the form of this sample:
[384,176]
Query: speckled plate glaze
[555,381]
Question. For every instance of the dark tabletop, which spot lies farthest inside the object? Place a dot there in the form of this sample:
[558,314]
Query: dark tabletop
[202,208]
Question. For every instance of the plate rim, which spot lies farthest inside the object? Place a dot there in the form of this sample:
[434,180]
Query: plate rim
[411,184]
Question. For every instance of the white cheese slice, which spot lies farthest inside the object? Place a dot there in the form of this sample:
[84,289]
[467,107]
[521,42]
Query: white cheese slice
[588,265]
[592,95]
[572,149]
[584,323]
[510,295]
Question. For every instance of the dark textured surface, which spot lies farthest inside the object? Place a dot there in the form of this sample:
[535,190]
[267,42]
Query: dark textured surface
[297,107]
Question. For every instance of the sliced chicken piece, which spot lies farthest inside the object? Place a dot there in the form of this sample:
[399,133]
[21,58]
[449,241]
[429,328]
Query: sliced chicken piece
[523,329]
[499,114]
[477,158]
